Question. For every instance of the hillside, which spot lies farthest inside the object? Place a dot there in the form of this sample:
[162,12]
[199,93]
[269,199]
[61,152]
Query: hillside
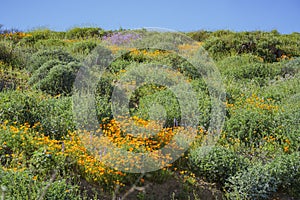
[133,114]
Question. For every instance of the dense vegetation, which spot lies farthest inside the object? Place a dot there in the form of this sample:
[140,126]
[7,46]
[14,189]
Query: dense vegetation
[43,156]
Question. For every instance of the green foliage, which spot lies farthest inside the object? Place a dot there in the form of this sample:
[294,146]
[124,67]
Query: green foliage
[286,170]
[270,46]
[49,43]
[291,68]
[216,164]
[200,36]
[43,71]
[43,56]
[88,32]
[260,71]
[83,47]
[118,65]
[40,34]
[60,79]
[255,183]
[250,120]
[217,47]
[54,115]
[148,98]
[10,55]
[103,96]
[16,106]
[283,88]
[22,185]
[260,181]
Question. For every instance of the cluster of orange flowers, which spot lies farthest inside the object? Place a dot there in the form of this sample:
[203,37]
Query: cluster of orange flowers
[18,35]
[190,47]
[143,141]
[254,101]
[122,142]
[148,54]
[71,147]
[76,147]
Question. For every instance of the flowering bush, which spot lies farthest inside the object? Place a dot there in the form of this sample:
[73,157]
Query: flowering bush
[119,38]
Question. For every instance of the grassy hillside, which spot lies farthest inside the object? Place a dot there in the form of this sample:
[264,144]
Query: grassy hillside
[43,151]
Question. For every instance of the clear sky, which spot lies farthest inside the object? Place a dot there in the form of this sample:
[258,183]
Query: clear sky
[185,15]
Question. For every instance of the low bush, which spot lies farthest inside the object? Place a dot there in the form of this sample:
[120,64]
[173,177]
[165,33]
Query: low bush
[60,79]
[54,115]
[250,120]
[43,56]
[216,164]
[23,185]
[86,32]
[83,47]
[261,181]
[11,56]
[43,71]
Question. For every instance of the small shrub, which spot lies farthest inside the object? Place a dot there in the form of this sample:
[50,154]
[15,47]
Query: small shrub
[261,181]
[291,68]
[54,115]
[11,56]
[286,170]
[257,182]
[43,56]
[83,47]
[17,107]
[22,185]
[259,72]
[48,43]
[60,79]
[250,120]
[216,164]
[217,47]
[43,71]
[87,32]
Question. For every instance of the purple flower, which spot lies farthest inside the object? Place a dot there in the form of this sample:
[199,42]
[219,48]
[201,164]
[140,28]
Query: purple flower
[121,38]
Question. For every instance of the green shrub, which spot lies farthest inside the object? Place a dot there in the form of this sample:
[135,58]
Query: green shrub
[147,99]
[118,65]
[43,56]
[83,47]
[21,185]
[267,47]
[201,35]
[286,170]
[216,164]
[291,68]
[250,120]
[11,56]
[40,34]
[256,71]
[217,47]
[17,107]
[48,43]
[261,181]
[55,115]
[282,88]
[257,182]
[43,71]
[60,79]
[87,32]
[103,96]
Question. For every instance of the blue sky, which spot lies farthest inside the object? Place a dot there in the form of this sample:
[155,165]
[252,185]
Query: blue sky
[186,15]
